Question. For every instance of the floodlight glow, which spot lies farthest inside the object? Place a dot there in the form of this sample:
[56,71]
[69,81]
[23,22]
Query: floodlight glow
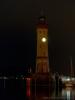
[44,39]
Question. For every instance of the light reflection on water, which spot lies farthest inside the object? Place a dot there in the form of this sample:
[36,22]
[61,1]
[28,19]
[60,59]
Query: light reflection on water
[65,94]
[18,90]
[68,93]
[46,94]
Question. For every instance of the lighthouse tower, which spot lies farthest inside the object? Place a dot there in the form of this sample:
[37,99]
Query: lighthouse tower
[42,59]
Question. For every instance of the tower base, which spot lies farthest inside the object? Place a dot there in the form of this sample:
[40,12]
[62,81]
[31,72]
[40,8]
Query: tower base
[42,79]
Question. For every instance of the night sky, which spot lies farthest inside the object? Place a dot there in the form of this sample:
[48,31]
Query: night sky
[18,20]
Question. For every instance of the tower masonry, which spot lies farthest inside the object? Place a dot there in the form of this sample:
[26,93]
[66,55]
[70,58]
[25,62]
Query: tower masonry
[42,59]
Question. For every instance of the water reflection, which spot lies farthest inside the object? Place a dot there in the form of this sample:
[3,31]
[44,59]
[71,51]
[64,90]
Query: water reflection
[28,87]
[44,93]
[68,93]
[24,90]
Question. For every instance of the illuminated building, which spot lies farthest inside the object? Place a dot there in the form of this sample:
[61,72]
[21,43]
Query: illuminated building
[42,59]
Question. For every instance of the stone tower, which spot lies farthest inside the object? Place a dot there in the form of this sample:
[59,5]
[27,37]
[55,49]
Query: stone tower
[42,59]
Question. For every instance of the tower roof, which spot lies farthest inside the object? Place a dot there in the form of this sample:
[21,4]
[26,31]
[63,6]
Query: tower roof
[42,22]
[42,18]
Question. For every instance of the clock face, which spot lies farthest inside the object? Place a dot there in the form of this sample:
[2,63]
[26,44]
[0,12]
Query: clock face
[43,39]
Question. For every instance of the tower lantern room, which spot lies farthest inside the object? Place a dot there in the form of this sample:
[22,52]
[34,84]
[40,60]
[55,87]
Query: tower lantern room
[42,59]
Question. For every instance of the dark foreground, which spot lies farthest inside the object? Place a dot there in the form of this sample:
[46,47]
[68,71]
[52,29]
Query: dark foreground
[18,90]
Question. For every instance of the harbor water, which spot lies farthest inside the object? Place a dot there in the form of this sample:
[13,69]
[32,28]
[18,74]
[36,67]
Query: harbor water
[12,89]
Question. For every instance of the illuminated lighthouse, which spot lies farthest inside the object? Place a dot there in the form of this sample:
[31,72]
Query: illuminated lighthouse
[42,59]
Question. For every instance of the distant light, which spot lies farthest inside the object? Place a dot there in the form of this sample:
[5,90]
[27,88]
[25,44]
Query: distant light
[44,39]
[28,79]
[23,78]
[5,77]
[68,79]
[72,79]
[16,78]
[64,79]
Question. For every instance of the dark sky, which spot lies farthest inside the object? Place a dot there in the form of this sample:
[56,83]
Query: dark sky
[18,20]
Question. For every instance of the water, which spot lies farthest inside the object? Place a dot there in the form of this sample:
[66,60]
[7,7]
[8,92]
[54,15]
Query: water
[22,90]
